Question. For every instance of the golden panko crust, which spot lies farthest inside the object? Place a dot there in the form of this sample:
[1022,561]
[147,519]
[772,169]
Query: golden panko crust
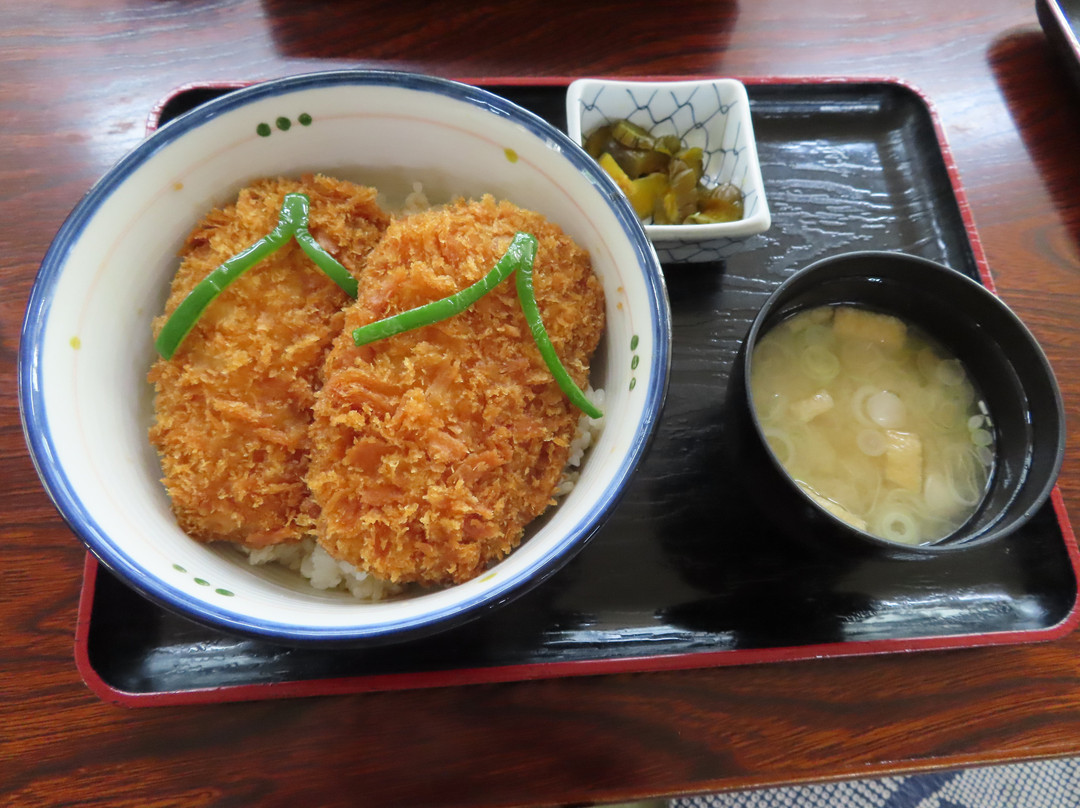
[234,403]
[432,450]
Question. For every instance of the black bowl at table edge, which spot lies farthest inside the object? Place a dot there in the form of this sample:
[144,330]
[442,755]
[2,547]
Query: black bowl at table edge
[1004,359]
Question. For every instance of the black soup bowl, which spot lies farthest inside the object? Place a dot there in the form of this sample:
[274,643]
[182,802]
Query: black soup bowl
[1002,359]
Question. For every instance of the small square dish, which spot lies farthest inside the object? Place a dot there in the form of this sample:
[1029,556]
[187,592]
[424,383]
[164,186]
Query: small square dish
[712,115]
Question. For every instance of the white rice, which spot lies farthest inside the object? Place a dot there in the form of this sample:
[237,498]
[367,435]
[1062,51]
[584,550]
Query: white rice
[588,430]
[416,201]
[321,570]
[326,573]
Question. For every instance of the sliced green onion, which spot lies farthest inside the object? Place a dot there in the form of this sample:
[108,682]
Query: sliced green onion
[323,260]
[540,336]
[523,244]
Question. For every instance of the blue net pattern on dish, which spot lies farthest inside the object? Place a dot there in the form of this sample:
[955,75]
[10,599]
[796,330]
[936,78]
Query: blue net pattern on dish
[699,116]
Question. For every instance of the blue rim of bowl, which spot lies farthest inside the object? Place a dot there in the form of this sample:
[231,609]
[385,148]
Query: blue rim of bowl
[39,439]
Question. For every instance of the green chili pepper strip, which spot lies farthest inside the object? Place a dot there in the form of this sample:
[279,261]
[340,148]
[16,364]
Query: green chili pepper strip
[292,222]
[323,260]
[527,297]
[183,319]
[522,245]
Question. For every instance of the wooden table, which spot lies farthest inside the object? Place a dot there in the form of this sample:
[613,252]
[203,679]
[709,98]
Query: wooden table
[79,79]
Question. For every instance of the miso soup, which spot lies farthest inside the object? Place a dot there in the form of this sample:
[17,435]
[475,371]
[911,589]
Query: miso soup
[875,421]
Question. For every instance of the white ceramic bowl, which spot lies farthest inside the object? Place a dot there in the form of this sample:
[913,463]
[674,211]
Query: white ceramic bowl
[712,114]
[87,345]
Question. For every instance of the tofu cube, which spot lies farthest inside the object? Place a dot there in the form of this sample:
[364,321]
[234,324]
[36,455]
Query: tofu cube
[904,460]
[835,508]
[869,326]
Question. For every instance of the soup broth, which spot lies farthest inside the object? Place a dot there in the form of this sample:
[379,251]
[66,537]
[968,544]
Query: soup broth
[875,421]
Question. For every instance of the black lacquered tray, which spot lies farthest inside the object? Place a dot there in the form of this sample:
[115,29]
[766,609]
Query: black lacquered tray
[688,572]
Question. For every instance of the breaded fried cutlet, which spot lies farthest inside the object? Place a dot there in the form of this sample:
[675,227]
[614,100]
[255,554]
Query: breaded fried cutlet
[234,402]
[433,449]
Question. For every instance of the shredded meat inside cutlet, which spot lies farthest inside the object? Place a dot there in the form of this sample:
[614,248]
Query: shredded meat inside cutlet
[234,403]
[433,449]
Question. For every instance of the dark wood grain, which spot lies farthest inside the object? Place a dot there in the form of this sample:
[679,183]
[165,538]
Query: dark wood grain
[79,81]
